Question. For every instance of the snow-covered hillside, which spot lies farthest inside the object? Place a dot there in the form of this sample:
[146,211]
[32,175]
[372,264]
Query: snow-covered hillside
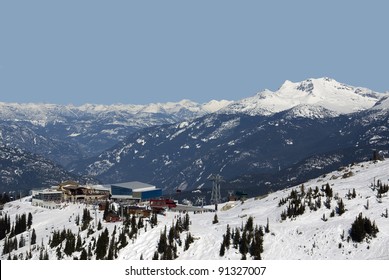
[45,113]
[68,133]
[323,92]
[312,235]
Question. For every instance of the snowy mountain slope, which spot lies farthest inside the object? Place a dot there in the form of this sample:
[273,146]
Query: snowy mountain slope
[248,150]
[306,236]
[69,133]
[327,93]
[276,130]
[382,104]
[169,145]
[23,171]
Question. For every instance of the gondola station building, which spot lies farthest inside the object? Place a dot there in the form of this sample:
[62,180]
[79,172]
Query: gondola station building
[136,191]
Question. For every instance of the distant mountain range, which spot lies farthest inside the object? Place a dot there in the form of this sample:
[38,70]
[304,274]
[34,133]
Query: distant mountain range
[267,141]
[258,143]
[69,133]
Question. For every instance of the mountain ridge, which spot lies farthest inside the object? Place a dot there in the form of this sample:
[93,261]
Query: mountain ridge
[325,92]
[179,144]
[40,113]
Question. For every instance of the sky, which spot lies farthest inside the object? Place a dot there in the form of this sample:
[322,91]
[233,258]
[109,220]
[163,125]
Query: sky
[138,52]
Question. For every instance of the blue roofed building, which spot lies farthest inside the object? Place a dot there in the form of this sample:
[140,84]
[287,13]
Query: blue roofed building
[134,191]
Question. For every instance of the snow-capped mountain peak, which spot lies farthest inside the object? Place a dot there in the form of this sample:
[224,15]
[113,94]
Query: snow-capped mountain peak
[324,92]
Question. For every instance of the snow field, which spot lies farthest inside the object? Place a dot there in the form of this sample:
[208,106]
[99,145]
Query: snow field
[303,237]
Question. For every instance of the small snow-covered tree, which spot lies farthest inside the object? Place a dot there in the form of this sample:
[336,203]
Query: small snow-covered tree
[222,250]
[341,208]
[215,219]
[267,228]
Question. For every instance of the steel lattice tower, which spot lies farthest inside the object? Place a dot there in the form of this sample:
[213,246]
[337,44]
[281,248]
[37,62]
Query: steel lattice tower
[215,195]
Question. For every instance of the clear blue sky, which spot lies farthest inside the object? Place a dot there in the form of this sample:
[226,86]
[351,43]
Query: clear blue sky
[107,52]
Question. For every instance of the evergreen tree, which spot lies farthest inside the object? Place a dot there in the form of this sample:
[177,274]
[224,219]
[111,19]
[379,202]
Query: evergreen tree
[79,243]
[86,218]
[22,241]
[188,240]
[70,244]
[283,215]
[134,227]
[140,223]
[328,191]
[249,224]
[267,228]
[362,227]
[215,219]
[89,251]
[111,250]
[167,254]
[179,226]
[174,250]
[99,226]
[102,245]
[222,248]
[123,239]
[46,255]
[5,226]
[316,191]
[84,255]
[243,244]
[253,250]
[162,244]
[256,245]
[236,239]
[155,256]
[29,221]
[153,220]
[6,246]
[302,190]
[186,222]
[318,202]
[327,203]
[15,243]
[354,194]
[23,223]
[17,228]
[357,232]
[171,236]
[228,237]
[41,254]
[340,209]
[59,253]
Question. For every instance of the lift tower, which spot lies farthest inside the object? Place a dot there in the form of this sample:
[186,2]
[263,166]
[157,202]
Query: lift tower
[215,195]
